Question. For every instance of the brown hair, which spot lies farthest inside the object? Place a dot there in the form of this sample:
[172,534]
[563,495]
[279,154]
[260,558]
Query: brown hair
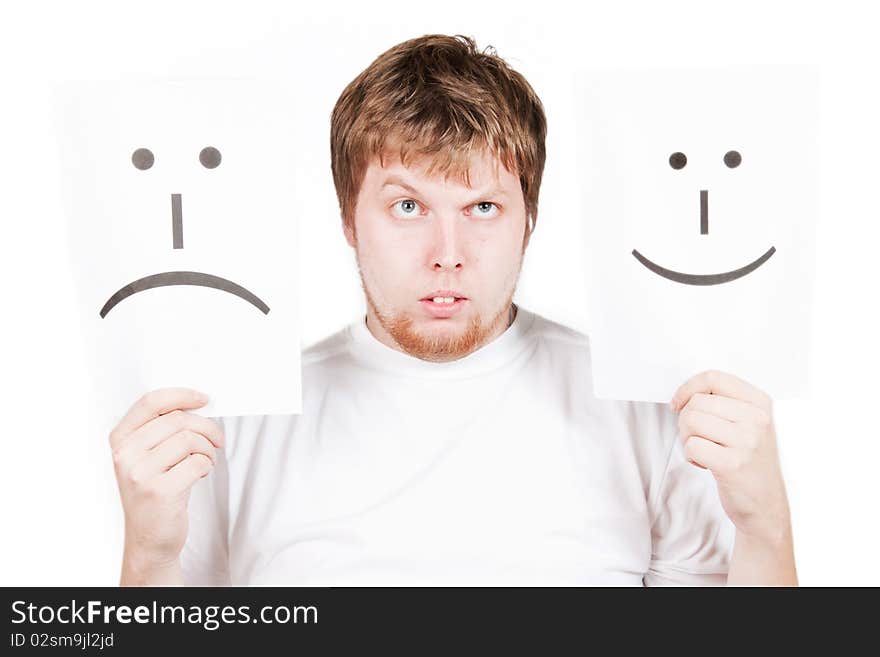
[437,96]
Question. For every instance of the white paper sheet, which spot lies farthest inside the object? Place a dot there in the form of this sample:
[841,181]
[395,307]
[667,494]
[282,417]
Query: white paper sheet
[186,268]
[649,333]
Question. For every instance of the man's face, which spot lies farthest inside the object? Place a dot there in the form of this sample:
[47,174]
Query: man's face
[419,238]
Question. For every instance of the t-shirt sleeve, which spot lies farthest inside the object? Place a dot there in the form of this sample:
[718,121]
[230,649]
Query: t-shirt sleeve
[204,560]
[692,537]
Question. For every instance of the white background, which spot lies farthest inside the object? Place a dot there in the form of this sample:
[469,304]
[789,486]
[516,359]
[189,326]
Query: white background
[61,519]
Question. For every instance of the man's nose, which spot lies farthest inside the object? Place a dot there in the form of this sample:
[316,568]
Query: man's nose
[447,240]
[177,220]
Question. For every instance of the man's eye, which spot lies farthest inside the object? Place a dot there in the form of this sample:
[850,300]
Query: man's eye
[407,208]
[485,209]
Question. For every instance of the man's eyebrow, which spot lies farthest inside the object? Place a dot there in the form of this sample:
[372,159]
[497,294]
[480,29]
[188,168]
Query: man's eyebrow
[395,180]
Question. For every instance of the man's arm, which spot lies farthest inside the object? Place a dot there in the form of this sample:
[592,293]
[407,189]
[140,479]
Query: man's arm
[727,427]
[159,452]
[763,562]
[136,571]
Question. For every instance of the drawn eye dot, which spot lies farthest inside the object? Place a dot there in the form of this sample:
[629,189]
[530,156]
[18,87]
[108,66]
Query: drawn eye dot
[678,160]
[210,157]
[732,159]
[142,159]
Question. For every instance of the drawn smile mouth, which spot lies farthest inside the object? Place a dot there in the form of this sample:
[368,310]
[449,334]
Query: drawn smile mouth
[704,279]
[168,278]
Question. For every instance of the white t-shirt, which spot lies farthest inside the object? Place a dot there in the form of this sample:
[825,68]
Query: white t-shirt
[500,468]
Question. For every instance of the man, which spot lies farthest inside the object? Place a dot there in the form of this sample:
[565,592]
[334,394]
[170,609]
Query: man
[452,437]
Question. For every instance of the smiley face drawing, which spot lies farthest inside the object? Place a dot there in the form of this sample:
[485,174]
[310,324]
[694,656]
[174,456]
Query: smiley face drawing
[210,158]
[678,160]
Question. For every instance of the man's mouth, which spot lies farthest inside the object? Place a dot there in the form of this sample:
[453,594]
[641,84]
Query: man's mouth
[443,304]
[443,296]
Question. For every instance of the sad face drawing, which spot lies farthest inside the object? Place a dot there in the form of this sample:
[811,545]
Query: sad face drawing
[182,200]
[210,157]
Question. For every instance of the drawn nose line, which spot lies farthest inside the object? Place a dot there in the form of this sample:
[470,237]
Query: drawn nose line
[177,220]
[704,212]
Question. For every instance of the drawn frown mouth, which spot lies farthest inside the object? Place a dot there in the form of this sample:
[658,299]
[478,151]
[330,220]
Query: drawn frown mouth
[704,279]
[210,158]
[168,278]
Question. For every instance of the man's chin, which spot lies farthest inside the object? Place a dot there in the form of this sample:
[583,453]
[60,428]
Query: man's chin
[437,340]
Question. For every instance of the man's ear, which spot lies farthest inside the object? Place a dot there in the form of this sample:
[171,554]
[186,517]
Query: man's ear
[350,236]
[528,236]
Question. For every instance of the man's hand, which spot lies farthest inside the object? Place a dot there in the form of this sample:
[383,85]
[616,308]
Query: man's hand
[159,452]
[727,427]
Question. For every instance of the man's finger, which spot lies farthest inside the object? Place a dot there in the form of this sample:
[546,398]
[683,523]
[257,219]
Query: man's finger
[152,405]
[174,449]
[183,475]
[708,426]
[161,428]
[705,453]
[720,383]
[732,410]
